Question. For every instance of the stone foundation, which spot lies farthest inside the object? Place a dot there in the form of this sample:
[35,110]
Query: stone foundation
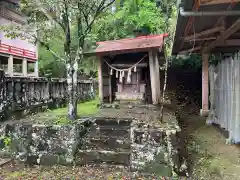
[204,113]
[95,141]
[124,96]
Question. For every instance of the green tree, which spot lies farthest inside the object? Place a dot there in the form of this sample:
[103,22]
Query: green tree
[61,22]
[129,20]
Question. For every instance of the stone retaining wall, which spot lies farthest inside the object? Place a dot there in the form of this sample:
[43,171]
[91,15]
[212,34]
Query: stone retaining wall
[26,93]
[94,141]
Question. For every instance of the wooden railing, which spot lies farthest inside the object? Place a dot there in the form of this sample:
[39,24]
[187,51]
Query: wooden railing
[4,48]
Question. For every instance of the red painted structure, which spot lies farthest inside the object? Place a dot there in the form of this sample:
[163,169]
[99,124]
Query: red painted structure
[12,49]
[140,58]
[138,44]
[31,55]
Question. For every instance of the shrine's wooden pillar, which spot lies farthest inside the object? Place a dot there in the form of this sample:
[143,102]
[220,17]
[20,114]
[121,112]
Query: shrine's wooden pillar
[100,79]
[205,107]
[138,79]
[110,86]
[154,77]
[158,89]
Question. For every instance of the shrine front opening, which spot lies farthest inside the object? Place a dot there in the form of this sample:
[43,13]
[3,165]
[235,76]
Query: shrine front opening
[129,69]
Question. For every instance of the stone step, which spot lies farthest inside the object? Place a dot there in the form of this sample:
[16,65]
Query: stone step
[107,121]
[116,127]
[84,157]
[106,143]
[125,139]
[122,133]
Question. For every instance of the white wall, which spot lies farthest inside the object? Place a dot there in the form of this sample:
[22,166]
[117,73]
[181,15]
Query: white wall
[25,44]
[225,96]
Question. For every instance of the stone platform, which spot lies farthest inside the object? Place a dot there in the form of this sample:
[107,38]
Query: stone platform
[127,135]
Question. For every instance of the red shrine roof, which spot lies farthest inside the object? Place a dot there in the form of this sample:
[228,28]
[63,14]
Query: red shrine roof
[128,45]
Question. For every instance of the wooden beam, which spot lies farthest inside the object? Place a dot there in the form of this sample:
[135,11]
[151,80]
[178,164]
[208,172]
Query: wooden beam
[222,18]
[230,42]
[195,8]
[203,39]
[190,50]
[213,2]
[236,34]
[129,65]
[204,33]
[228,32]
[190,21]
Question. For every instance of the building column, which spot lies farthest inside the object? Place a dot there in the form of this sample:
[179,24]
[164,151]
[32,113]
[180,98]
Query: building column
[36,69]
[10,66]
[110,87]
[100,79]
[158,89]
[205,109]
[138,79]
[153,77]
[24,67]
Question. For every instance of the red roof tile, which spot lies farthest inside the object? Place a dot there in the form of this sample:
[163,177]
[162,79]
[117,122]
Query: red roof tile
[137,44]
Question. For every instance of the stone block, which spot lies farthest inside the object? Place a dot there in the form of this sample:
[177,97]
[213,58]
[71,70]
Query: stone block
[109,143]
[121,133]
[118,122]
[204,112]
[97,157]
[159,169]
[52,159]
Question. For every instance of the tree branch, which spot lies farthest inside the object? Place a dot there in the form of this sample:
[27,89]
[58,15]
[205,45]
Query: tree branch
[44,44]
[100,8]
[48,14]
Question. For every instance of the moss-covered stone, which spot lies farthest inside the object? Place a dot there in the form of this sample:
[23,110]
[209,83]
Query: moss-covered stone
[144,146]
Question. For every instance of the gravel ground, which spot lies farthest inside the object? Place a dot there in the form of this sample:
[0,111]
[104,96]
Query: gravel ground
[13,171]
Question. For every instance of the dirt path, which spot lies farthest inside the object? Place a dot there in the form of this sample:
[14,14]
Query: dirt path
[209,155]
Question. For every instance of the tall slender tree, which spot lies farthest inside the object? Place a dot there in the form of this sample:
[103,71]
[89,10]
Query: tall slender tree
[52,18]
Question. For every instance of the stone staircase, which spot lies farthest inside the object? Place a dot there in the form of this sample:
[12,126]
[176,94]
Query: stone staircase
[108,143]
[117,140]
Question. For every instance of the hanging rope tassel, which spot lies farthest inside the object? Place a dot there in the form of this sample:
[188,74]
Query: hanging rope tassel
[129,75]
[111,72]
[117,74]
[135,68]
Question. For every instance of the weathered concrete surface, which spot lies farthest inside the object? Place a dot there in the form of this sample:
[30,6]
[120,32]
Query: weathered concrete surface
[40,144]
[84,142]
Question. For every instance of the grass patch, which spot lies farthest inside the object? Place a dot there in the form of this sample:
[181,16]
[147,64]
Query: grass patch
[83,109]
[59,116]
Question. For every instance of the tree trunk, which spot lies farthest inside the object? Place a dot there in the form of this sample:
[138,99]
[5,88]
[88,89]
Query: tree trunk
[164,89]
[72,68]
